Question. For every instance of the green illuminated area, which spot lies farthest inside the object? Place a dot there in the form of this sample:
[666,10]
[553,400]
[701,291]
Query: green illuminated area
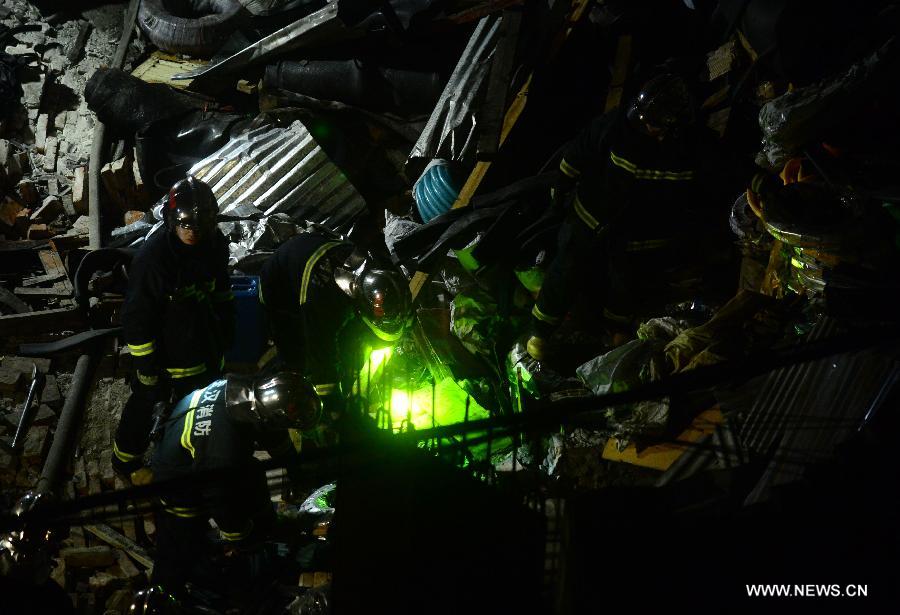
[398,404]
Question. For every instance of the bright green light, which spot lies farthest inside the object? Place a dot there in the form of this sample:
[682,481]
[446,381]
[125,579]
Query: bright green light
[377,357]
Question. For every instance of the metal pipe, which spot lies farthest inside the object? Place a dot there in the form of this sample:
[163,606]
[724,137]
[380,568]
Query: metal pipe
[69,421]
[95,237]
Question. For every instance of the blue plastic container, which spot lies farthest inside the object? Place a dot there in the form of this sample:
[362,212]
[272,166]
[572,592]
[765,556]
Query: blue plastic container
[250,336]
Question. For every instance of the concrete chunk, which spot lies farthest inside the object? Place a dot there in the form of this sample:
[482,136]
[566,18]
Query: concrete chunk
[40,132]
[80,191]
[50,154]
[24,364]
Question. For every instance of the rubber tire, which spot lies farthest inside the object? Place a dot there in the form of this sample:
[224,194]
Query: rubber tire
[198,37]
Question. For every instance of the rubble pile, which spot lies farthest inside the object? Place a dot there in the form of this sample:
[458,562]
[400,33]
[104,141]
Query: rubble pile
[445,137]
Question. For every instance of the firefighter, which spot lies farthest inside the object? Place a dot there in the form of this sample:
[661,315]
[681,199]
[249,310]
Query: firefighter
[327,301]
[178,316]
[642,225]
[217,429]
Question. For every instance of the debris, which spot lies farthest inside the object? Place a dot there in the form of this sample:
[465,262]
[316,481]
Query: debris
[40,132]
[309,186]
[36,443]
[51,395]
[28,192]
[80,191]
[10,381]
[24,364]
[49,210]
[50,154]
[77,46]
[114,538]
[359,83]
[160,67]
[9,209]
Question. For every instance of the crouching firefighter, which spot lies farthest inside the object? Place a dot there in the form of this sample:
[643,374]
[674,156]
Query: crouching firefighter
[327,301]
[211,436]
[178,316]
[642,229]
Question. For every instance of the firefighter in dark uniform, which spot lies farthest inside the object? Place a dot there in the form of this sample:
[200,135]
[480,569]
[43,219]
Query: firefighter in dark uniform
[327,301]
[217,429]
[645,222]
[178,316]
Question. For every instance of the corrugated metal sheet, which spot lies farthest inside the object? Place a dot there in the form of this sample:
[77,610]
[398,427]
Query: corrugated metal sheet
[803,412]
[450,130]
[281,170]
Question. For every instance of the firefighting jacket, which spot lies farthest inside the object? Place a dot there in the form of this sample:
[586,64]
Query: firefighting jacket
[178,314]
[645,192]
[317,319]
[200,435]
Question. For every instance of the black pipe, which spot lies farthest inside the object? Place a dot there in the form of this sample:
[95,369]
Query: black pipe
[70,420]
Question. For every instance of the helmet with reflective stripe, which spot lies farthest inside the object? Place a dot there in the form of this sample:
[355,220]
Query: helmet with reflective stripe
[383,302]
[287,400]
[191,204]
[380,294]
[663,107]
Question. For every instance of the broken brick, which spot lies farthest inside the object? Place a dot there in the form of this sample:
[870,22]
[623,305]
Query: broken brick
[132,216]
[88,557]
[50,154]
[40,132]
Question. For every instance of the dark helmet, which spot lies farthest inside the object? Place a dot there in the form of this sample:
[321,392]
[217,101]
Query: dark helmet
[664,103]
[191,204]
[287,399]
[379,292]
[383,302]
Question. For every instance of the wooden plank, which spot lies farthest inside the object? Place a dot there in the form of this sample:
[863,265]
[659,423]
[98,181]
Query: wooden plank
[160,67]
[44,279]
[57,290]
[45,321]
[53,264]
